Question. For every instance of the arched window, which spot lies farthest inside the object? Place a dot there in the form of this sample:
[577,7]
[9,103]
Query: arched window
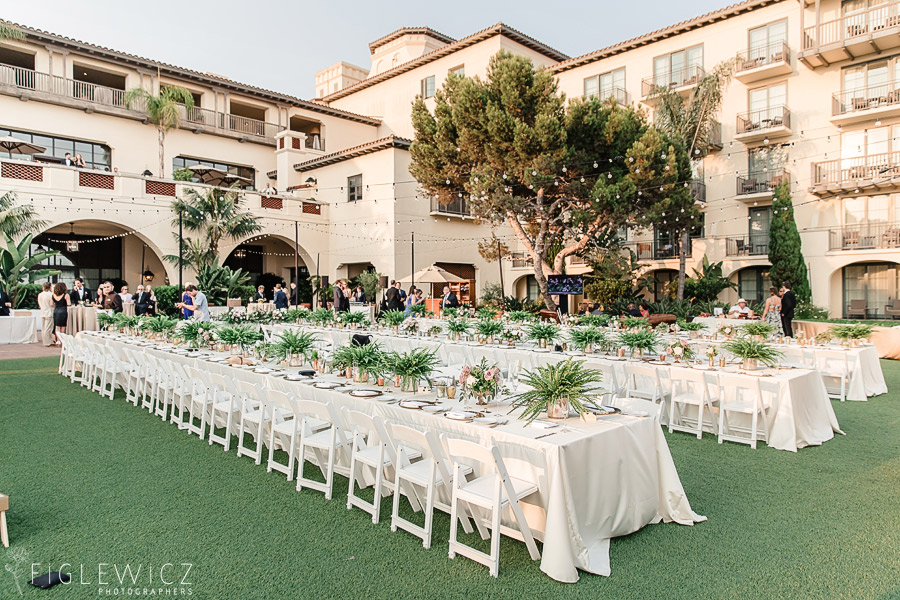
[875,283]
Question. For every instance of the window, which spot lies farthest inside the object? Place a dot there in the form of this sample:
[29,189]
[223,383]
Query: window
[607,85]
[871,84]
[460,70]
[871,213]
[767,40]
[181,162]
[869,147]
[678,68]
[754,283]
[760,219]
[767,105]
[764,160]
[354,188]
[875,283]
[428,87]
[94,155]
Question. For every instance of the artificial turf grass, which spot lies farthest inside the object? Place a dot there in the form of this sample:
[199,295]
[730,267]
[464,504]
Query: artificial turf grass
[93,480]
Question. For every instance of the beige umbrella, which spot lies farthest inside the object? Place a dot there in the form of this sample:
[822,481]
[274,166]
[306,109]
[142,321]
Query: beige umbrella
[216,177]
[17,146]
[434,274]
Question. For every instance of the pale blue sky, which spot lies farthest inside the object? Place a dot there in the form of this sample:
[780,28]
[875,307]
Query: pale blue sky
[280,44]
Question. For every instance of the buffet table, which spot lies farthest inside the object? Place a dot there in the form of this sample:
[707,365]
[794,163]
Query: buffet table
[19,329]
[581,503]
[265,307]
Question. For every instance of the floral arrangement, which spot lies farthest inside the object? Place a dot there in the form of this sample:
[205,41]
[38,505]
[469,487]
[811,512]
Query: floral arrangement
[511,335]
[662,328]
[823,337]
[681,349]
[435,330]
[726,330]
[712,352]
[450,312]
[481,381]
[195,332]
[411,326]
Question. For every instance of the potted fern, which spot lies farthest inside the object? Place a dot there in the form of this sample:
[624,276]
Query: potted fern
[553,388]
[753,352]
[585,338]
[322,317]
[852,333]
[635,323]
[161,325]
[353,319]
[692,327]
[488,329]
[413,366]
[520,316]
[451,312]
[758,330]
[240,338]
[543,333]
[593,320]
[295,347]
[393,318]
[457,327]
[639,341]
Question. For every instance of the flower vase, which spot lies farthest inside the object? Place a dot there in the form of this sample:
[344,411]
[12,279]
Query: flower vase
[750,364]
[854,343]
[360,376]
[483,398]
[395,329]
[295,360]
[694,335]
[542,343]
[712,361]
[408,384]
[589,349]
[235,349]
[559,409]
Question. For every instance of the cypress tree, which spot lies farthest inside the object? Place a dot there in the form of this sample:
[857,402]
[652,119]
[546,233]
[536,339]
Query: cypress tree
[784,246]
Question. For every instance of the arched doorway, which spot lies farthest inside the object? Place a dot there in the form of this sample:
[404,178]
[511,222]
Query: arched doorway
[270,259]
[98,251]
[869,285]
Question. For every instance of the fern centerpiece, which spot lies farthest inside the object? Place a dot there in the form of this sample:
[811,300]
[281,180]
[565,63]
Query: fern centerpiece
[543,333]
[161,325]
[639,341]
[635,323]
[852,333]
[354,319]
[106,321]
[451,312]
[458,327]
[366,359]
[593,320]
[295,347]
[520,316]
[295,315]
[758,330]
[393,319]
[412,367]
[194,332]
[240,337]
[322,317]
[488,329]
[420,310]
[556,387]
[752,352]
[485,313]
[586,338]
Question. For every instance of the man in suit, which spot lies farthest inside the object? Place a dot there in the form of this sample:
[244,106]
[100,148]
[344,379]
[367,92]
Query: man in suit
[281,300]
[260,294]
[392,297]
[111,300]
[337,297]
[788,303]
[5,304]
[80,293]
[141,301]
[359,295]
[45,303]
[295,295]
[449,299]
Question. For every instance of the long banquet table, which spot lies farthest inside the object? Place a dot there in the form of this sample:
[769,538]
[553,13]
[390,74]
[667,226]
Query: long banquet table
[800,413]
[597,480]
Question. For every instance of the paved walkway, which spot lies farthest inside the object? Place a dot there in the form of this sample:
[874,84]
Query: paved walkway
[27,351]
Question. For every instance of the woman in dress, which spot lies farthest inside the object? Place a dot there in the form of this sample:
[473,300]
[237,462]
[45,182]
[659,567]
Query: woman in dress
[61,303]
[772,311]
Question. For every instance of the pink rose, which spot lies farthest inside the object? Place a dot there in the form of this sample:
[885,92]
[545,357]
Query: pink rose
[463,378]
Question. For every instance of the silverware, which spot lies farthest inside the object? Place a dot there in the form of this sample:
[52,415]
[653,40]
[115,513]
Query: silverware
[543,435]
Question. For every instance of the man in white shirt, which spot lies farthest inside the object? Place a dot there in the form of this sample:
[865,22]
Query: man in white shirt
[45,303]
[740,310]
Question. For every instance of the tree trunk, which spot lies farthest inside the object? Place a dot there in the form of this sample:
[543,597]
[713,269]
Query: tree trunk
[162,152]
[542,282]
[684,242]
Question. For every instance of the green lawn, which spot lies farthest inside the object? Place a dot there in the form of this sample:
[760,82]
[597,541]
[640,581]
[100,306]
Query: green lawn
[97,481]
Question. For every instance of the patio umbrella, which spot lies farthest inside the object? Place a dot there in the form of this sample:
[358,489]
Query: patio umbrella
[434,274]
[216,177]
[17,146]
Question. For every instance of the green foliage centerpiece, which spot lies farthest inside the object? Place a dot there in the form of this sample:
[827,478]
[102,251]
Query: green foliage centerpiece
[413,366]
[556,387]
[639,341]
[458,327]
[852,333]
[488,329]
[752,352]
[586,338]
[758,330]
[543,333]
[240,337]
[393,319]
[294,347]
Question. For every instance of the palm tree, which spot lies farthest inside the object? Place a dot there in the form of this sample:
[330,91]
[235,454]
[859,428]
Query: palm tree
[17,219]
[163,110]
[215,214]
[193,253]
[8,31]
[689,121]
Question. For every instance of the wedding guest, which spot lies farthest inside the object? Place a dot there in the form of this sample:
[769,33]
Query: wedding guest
[141,300]
[79,162]
[788,304]
[449,299]
[186,300]
[402,293]
[5,304]
[45,303]
[392,297]
[740,310]
[111,300]
[80,293]
[359,295]
[68,161]
[345,291]
[200,307]
[151,307]
[338,297]
[61,302]
[633,310]
[645,309]
[772,311]
[126,297]
[295,295]
[260,294]
[281,300]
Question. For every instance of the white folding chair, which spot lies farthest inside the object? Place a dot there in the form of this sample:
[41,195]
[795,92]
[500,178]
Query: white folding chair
[134,378]
[257,417]
[324,444]
[182,391]
[834,368]
[800,357]
[223,410]
[690,391]
[493,489]
[741,394]
[203,395]
[643,381]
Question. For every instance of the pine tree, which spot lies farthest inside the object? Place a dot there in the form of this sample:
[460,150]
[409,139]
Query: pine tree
[784,246]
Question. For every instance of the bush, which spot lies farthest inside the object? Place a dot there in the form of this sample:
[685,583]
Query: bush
[244,292]
[681,309]
[492,295]
[806,311]
[606,290]
[26,298]
[619,306]
[166,297]
[268,280]
[184,174]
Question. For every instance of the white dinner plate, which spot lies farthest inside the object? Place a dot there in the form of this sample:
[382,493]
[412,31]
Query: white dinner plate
[412,404]
[365,393]
[327,385]
[542,349]
[489,420]
[296,378]
[263,370]
[657,362]
[544,425]
[460,415]
[434,408]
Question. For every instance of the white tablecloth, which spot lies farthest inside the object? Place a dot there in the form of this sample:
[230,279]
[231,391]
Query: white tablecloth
[598,480]
[19,330]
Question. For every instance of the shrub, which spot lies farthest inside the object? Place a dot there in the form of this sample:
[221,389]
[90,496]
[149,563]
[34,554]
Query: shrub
[244,292]
[166,297]
[27,296]
[808,311]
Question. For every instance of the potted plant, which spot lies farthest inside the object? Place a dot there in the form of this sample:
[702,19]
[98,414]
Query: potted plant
[393,318]
[240,337]
[485,312]
[451,312]
[413,366]
[481,382]
[420,310]
[543,333]
[520,316]
[852,333]
[322,317]
[585,338]
[488,328]
[681,349]
[106,321]
[511,336]
[435,330]
[354,319]
[753,352]
[457,327]
[160,325]
[556,387]
[692,327]
[342,360]
[295,347]
[758,330]
[635,323]
[639,341]
[365,359]
[190,331]
[593,320]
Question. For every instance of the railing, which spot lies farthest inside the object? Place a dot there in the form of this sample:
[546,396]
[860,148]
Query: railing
[715,135]
[761,56]
[760,183]
[865,237]
[673,79]
[851,26]
[457,206]
[873,166]
[620,94]
[767,118]
[698,191]
[659,250]
[875,96]
[754,244]
[28,79]
[521,260]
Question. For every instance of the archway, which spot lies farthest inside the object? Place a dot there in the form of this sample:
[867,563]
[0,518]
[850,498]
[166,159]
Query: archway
[98,250]
[867,286]
[268,259]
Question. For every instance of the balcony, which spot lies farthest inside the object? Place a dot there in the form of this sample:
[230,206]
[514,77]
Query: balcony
[852,36]
[521,260]
[715,136]
[759,186]
[698,190]
[620,95]
[756,244]
[843,175]
[657,250]
[767,123]
[865,104]
[681,81]
[28,84]
[873,236]
[763,62]
[458,207]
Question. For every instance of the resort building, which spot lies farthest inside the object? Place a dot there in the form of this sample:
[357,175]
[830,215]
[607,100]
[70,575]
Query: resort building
[814,100]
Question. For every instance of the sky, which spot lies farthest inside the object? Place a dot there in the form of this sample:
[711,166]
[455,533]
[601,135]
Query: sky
[281,44]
